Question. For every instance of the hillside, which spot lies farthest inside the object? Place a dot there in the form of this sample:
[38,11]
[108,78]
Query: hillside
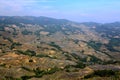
[41,48]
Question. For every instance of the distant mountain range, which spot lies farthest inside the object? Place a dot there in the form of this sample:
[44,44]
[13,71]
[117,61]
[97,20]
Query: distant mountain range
[32,20]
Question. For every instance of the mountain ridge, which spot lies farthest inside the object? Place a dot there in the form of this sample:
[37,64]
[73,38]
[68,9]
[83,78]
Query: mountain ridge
[58,19]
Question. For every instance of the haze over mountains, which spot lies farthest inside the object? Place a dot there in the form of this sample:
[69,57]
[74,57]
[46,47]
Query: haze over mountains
[41,48]
[78,10]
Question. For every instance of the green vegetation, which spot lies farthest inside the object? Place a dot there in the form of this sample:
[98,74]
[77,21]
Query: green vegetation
[27,69]
[39,73]
[76,56]
[3,65]
[37,33]
[71,68]
[14,44]
[53,29]
[68,57]
[76,41]
[2,28]
[92,59]
[45,55]
[55,45]
[110,47]
[103,73]
[8,38]
[52,70]
[95,45]
[25,77]
[27,52]
[112,43]
[80,65]
[26,32]
[14,33]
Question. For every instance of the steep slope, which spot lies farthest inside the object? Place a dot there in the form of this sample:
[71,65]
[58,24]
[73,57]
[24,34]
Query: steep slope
[110,31]
[38,46]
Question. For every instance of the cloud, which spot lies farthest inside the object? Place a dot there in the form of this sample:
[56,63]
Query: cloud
[17,7]
[22,3]
[45,1]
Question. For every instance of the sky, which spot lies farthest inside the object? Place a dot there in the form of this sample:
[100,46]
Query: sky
[75,10]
